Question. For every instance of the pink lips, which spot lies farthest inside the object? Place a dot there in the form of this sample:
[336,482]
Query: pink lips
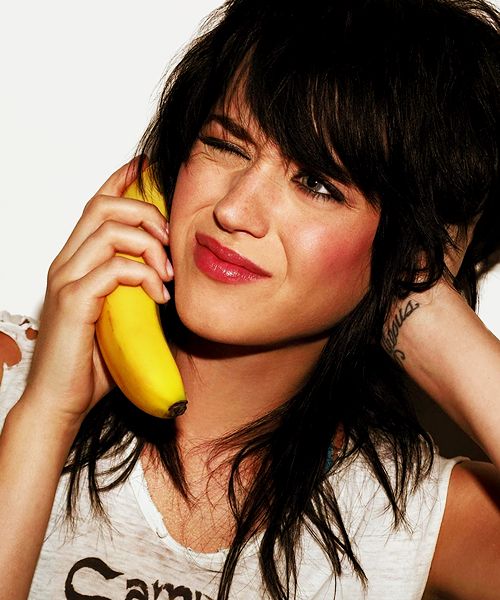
[223,264]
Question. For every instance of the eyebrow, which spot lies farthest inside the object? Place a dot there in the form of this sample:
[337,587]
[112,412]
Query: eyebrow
[231,126]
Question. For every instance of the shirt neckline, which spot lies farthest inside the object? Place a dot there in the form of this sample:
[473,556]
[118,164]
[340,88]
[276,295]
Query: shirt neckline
[210,560]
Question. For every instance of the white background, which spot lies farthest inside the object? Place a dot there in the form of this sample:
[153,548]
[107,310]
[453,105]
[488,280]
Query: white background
[79,83]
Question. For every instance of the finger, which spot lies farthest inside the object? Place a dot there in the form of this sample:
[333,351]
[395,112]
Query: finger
[101,209]
[85,296]
[115,185]
[112,237]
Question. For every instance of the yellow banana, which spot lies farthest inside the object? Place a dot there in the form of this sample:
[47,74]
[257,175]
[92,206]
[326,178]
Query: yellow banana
[132,342]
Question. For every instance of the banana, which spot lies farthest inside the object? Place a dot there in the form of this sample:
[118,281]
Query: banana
[131,339]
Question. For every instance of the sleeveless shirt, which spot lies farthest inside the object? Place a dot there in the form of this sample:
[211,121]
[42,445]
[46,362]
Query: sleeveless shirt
[134,556]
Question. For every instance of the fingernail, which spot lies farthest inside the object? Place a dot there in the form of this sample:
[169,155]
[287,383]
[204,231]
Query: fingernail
[166,295]
[166,232]
[170,269]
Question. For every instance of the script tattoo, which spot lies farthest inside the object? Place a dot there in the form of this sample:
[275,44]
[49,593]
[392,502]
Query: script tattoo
[390,336]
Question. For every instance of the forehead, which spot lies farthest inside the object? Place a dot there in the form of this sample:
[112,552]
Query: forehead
[287,120]
[234,114]
[234,105]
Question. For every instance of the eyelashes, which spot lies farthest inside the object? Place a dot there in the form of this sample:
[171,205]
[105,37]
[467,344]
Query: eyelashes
[223,146]
[306,180]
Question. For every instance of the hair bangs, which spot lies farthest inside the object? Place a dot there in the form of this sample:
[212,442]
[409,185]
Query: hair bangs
[307,103]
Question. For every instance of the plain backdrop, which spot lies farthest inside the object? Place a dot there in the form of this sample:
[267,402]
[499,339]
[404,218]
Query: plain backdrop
[79,85]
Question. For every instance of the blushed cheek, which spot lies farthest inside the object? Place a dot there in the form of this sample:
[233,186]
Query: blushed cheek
[344,257]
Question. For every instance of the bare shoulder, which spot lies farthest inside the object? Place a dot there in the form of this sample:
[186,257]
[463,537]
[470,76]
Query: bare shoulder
[466,563]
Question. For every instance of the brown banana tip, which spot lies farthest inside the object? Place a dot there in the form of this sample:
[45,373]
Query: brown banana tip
[177,409]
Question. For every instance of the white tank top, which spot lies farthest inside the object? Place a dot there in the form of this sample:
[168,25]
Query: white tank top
[137,558]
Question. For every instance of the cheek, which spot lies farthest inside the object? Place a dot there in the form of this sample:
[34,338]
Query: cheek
[341,255]
[186,192]
[197,186]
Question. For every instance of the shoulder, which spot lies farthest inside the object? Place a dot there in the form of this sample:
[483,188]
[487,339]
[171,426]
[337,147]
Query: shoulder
[431,487]
[381,543]
[18,335]
[467,553]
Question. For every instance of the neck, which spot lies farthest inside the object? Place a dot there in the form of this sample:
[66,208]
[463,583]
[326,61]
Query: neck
[228,387]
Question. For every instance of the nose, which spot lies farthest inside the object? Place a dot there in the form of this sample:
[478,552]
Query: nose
[246,204]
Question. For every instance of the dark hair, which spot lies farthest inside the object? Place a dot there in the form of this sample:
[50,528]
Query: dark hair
[401,99]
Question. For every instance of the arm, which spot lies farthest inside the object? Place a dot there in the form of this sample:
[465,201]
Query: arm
[447,350]
[28,472]
[67,375]
[33,450]
[444,346]
[466,560]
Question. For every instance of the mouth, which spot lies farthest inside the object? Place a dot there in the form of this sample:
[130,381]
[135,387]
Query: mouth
[223,264]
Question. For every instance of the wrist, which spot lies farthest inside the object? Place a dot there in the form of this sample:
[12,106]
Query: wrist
[414,322]
[56,424]
[446,349]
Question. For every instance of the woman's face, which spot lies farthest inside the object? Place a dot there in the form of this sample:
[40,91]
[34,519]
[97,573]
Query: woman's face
[263,253]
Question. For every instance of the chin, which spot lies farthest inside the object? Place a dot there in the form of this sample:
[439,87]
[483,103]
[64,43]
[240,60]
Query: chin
[218,329]
[207,324]
[247,334]
[213,319]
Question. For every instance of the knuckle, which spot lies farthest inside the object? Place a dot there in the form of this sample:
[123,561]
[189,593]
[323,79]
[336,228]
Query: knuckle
[159,248]
[107,228]
[153,273]
[53,283]
[149,272]
[68,293]
[90,205]
[97,204]
[54,275]
[53,269]
[118,263]
[121,264]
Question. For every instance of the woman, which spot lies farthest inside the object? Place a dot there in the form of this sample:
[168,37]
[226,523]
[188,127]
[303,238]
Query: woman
[332,178]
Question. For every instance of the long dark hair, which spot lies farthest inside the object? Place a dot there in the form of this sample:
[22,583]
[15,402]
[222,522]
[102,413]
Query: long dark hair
[400,98]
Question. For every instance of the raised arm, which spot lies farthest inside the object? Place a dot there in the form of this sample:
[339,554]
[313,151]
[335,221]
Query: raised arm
[446,348]
[449,352]
[67,375]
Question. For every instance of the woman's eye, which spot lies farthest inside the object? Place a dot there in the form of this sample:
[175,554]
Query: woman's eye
[223,146]
[318,188]
[315,185]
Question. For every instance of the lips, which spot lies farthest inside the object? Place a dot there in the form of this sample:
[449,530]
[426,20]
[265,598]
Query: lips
[223,264]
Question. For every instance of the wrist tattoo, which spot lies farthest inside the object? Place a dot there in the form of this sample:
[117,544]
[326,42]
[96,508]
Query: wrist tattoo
[390,336]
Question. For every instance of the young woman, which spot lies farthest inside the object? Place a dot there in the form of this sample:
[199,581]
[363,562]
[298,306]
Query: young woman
[332,173]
